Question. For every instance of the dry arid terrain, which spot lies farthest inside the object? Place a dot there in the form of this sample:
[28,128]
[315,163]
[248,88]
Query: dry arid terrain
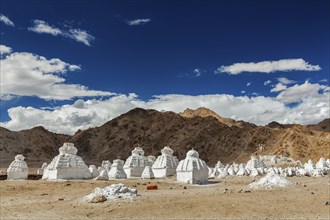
[214,137]
[222,198]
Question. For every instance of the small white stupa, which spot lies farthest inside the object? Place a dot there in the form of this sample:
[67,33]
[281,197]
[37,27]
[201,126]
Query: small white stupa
[135,163]
[67,165]
[40,171]
[106,164]
[147,173]
[18,169]
[94,171]
[165,164]
[192,169]
[117,171]
[256,166]
[103,175]
[151,160]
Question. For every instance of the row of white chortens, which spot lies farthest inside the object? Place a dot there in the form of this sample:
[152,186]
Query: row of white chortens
[67,165]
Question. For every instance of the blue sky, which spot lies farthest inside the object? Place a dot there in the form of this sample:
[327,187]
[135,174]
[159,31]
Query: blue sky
[258,61]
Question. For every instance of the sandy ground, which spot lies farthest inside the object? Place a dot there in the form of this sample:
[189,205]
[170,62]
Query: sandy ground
[39,199]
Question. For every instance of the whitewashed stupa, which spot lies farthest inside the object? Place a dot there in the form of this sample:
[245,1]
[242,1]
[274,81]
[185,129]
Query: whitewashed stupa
[94,171]
[192,169]
[147,173]
[18,169]
[117,171]
[135,163]
[40,171]
[67,165]
[165,164]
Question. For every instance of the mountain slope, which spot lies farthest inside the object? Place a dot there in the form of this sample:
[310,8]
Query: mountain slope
[214,139]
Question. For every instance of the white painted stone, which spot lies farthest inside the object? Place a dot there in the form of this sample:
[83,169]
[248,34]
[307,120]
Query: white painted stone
[67,165]
[147,173]
[192,169]
[114,191]
[165,164]
[271,180]
[18,169]
[135,163]
[117,171]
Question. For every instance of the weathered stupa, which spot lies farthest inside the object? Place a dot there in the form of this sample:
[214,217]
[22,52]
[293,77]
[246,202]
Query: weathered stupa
[165,164]
[67,165]
[40,171]
[117,171]
[18,169]
[135,163]
[192,169]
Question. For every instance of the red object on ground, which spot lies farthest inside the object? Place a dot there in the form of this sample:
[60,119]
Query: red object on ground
[152,187]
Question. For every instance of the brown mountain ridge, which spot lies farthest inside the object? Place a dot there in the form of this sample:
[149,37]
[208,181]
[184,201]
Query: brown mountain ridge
[214,137]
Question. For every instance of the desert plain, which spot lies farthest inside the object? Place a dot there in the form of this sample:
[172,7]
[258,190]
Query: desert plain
[220,199]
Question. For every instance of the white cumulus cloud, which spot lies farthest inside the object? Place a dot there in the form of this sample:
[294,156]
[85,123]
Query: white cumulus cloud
[269,67]
[260,110]
[285,81]
[26,74]
[4,19]
[42,27]
[138,21]
[4,49]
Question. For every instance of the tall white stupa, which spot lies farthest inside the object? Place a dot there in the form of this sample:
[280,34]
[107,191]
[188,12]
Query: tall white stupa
[135,163]
[192,169]
[165,164]
[67,165]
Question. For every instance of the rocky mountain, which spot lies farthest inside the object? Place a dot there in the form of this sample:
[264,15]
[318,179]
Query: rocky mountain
[214,137]
[37,145]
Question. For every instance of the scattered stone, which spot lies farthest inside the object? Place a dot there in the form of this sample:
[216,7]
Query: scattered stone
[271,180]
[98,199]
[152,187]
[61,199]
[327,203]
[114,191]
[184,187]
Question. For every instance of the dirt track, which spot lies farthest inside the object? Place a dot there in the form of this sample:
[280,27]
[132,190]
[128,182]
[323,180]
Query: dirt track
[38,199]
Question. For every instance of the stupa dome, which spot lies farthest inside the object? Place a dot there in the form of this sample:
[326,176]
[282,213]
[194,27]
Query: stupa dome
[68,148]
[192,153]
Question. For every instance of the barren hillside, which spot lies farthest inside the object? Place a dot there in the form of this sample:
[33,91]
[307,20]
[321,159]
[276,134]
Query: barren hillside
[214,137]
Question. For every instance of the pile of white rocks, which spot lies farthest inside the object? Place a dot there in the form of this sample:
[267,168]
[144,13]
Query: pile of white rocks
[114,191]
[271,180]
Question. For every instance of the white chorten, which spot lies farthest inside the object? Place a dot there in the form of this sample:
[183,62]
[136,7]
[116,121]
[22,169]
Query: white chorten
[192,169]
[255,166]
[40,171]
[165,164]
[117,171]
[18,169]
[103,175]
[67,165]
[135,163]
[106,164]
[94,171]
[151,160]
[147,173]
